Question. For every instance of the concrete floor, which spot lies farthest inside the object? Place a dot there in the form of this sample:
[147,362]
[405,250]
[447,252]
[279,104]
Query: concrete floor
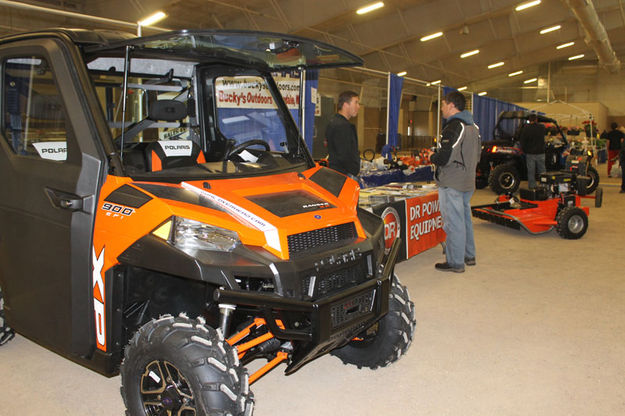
[536,328]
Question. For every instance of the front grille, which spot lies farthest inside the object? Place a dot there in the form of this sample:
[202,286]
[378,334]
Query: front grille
[346,311]
[321,238]
[323,283]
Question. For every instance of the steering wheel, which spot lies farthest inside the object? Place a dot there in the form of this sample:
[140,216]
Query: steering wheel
[245,145]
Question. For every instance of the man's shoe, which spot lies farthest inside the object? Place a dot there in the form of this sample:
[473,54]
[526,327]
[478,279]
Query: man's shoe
[469,261]
[446,267]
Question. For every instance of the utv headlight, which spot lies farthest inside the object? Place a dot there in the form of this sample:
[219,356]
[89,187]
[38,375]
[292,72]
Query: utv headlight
[191,234]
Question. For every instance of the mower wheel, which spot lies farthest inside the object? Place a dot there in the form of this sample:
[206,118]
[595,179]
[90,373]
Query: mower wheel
[385,341]
[6,333]
[594,180]
[175,366]
[572,223]
[504,179]
[598,197]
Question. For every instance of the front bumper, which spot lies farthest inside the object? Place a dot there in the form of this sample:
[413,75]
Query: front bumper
[334,320]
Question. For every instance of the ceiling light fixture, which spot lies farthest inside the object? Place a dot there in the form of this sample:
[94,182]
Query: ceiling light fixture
[401,74]
[151,19]
[514,74]
[529,81]
[550,29]
[432,36]
[462,88]
[470,53]
[370,8]
[565,45]
[495,65]
[580,56]
[527,5]
[438,81]
[482,93]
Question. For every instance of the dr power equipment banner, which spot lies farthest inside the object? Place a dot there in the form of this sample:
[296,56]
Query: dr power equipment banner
[416,220]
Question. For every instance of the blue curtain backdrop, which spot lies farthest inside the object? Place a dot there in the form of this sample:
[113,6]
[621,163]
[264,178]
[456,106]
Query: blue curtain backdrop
[485,112]
[394,101]
[312,81]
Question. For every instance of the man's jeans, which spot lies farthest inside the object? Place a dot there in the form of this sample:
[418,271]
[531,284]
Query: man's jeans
[456,212]
[535,165]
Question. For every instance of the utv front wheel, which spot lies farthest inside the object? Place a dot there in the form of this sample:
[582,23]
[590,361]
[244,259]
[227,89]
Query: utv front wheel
[386,341]
[504,179]
[572,223]
[179,366]
[6,333]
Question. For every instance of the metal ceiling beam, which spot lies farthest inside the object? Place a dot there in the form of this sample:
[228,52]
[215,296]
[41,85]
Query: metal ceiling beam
[73,15]
[596,35]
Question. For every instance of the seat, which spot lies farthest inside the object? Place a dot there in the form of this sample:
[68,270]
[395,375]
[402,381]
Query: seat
[161,113]
[167,154]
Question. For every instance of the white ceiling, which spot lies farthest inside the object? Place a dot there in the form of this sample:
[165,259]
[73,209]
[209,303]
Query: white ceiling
[388,38]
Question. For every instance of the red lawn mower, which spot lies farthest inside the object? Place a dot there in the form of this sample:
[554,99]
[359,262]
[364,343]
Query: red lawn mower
[555,202]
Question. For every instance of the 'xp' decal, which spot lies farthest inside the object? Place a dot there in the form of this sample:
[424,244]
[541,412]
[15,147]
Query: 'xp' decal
[392,226]
[98,299]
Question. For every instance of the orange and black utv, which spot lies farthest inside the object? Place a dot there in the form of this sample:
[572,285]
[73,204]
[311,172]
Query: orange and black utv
[162,218]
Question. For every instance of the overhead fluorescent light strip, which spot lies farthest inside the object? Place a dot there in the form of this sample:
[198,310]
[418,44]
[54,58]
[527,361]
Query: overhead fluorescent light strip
[153,18]
[550,29]
[565,45]
[529,81]
[495,65]
[370,8]
[580,56]
[402,73]
[527,5]
[432,36]
[438,81]
[514,74]
[470,53]
[462,88]
[482,93]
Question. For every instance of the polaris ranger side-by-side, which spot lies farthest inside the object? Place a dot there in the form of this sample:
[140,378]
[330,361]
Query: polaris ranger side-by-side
[502,163]
[162,218]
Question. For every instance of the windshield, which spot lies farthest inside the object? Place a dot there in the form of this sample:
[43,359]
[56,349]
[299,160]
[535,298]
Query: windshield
[187,120]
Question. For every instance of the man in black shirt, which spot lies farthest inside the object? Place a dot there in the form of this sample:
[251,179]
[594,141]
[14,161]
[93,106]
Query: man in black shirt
[615,138]
[533,145]
[342,138]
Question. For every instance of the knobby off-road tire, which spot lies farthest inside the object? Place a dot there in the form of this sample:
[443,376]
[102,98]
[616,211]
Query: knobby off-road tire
[594,180]
[387,340]
[179,366]
[572,223]
[504,179]
[6,333]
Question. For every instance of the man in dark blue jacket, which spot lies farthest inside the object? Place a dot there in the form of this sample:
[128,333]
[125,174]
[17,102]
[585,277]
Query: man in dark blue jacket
[341,136]
[533,145]
[456,157]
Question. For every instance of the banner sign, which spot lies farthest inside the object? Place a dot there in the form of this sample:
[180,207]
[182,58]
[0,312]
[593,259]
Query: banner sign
[424,224]
[252,92]
[416,220]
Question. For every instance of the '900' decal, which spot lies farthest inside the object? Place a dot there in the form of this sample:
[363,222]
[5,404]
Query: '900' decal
[117,211]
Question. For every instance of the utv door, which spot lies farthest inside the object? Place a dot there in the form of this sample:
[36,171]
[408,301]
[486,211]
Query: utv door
[51,167]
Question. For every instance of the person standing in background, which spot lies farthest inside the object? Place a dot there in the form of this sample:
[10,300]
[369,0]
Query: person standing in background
[533,145]
[342,138]
[615,138]
[457,154]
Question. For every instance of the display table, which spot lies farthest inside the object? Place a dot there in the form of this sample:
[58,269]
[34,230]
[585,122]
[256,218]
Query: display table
[378,178]
[409,211]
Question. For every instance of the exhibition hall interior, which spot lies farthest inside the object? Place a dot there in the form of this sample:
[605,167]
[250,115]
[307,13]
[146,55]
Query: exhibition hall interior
[274,207]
